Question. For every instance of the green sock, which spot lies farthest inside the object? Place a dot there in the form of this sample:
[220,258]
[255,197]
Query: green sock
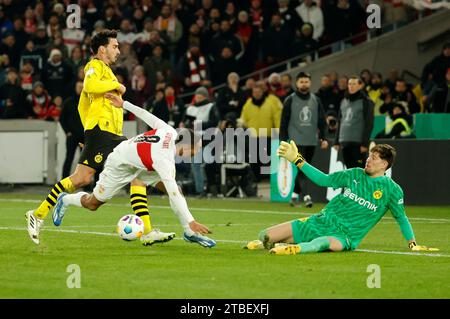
[315,245]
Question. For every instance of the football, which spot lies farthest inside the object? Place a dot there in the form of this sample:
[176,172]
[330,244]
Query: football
[130,227]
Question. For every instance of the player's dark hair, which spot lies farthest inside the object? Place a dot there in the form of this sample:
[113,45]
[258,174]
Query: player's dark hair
[303,75]
[187,136]
[386,152]
[102,38]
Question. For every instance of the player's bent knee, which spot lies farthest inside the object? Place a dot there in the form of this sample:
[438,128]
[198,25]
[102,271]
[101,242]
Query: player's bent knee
[335,244]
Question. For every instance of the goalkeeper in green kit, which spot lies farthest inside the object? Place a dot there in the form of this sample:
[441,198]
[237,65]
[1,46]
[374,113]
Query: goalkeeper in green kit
[347,218]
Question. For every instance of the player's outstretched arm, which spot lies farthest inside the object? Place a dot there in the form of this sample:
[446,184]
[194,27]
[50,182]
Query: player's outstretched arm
[180,208]
[143,114]
[290,152]
[397,209]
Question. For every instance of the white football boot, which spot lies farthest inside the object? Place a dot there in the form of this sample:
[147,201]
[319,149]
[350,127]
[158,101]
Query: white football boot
[34,225]
[156,236]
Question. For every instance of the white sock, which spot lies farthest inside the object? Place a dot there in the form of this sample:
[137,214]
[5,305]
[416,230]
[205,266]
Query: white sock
[188,230]
[294,195]
[74,199]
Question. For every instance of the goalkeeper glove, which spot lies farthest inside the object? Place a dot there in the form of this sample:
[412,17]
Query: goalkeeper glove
[290,152]
[414,247]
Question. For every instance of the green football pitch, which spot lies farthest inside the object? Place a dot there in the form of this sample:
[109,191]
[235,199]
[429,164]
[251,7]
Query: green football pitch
[111,268]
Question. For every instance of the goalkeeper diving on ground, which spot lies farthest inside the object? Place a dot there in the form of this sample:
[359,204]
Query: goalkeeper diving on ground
[150,157]
[342,224]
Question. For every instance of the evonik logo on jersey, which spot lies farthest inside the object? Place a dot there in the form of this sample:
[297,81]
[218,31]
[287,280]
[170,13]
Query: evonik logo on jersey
[361,201]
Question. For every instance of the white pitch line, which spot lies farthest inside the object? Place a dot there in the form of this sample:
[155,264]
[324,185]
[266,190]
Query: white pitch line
[227,210]
[401,253]
[227,241]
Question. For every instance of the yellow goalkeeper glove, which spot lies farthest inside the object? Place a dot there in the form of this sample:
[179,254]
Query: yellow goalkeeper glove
[290,152]
[414,247]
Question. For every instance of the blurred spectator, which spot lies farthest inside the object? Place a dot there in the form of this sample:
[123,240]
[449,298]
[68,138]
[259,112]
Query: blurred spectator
[274,41]
[12,98]
[57,74]
[194,69]
[223,65]
[148,39]
[168,24]
[374,90]
[231,98]
[30,54]
[400,125]
[365,76]
[149,8]
[54,111]
[289,16]
[355,124]
[53,26]
[99,26]
[39,14]
[56,42]
[71,123]
[402,92]
[438,101]
[286,84]
[27,77]
[244,28]
[392,78]
[248,87]
[230,13]
[394,11]
[127,59]
[111,18]
[140,86]
[310,12]
[10,47]
[169,108]
[342,86]
[157,68]
[126,33]
[261,113]
[194,36]
[30,21]
[303,121]
[303,41]
[434,72]
[39,100]
[330,101]
[73,37]
[346,19]
[86,47]
[19,33]
[76,59]
[274,86]
[226,38]
[4,66]
[200,116]
[41,39]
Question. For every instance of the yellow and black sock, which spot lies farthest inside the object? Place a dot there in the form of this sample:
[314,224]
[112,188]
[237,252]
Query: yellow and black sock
[64,185]
[138,200]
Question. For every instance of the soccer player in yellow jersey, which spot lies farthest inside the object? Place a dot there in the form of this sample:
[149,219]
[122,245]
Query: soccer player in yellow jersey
[102,124]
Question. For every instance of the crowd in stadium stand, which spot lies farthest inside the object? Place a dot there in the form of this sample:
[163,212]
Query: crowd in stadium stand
[171,48]
[168,45]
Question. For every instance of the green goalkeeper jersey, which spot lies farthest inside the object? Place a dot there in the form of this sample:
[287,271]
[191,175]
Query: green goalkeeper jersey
[362,203]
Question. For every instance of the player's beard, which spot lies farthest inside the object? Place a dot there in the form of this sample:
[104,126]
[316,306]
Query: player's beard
[304,90]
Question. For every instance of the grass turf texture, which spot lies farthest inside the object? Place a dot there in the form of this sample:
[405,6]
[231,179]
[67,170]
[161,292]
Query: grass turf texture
[112,268]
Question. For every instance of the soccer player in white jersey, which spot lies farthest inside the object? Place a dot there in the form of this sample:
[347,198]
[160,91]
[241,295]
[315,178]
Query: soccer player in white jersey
[151,158]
